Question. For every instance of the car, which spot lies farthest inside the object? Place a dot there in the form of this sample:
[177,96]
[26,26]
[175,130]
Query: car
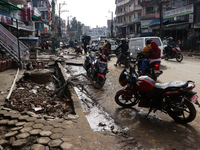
[93,43]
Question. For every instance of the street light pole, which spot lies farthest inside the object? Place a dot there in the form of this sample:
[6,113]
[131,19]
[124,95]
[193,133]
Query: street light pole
[161,19]
[111,24]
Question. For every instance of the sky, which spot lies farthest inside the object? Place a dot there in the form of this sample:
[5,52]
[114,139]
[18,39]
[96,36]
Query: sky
[89,12]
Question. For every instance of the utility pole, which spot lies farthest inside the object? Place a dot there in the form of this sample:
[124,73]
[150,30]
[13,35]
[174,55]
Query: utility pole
[59,28]
[111,24]
[53,27]
[161,19]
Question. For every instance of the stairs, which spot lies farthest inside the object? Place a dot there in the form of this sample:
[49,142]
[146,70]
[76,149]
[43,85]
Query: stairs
[9,45]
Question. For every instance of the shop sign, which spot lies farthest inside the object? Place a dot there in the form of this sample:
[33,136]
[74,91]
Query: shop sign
[191,18]
[145,23]
[27,14]
[178,12]
[177,27]
[196,26]
[6,19]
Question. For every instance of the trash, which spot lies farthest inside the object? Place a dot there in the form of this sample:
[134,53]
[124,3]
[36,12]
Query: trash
[21,88]
[2,92]
[37,108]
[33,91]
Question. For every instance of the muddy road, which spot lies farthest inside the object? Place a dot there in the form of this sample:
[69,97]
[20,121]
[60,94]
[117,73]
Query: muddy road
[158,130]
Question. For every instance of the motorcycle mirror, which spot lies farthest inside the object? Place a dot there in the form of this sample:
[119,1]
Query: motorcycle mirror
[138,49]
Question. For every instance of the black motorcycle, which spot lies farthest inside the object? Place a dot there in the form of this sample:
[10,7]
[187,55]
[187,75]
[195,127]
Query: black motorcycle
[152,70]
[96,68]
[125,60]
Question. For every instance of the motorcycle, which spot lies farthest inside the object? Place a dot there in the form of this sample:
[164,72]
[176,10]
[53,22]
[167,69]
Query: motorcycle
[96,67]
[78,49]
[152,70]
[125,60]
[170,98]
[176,53]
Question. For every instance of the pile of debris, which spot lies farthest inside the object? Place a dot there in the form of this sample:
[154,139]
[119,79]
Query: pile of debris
[31,96]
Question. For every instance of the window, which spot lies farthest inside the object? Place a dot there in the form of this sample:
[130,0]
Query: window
[149,10]
[35,3]
[121,20]
[130,18]
[38,25]
[139,15]
[138,2]
[124,19]
[121,10]
[130,7]
[41,3]
[124,8]
[44,15]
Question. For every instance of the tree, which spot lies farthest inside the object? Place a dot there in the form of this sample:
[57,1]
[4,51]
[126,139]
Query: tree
[75,26]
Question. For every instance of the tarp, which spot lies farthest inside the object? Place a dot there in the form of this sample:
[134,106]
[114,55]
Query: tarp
[157,21]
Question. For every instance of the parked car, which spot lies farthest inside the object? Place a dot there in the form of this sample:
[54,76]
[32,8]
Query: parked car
[93,43]
[137,44]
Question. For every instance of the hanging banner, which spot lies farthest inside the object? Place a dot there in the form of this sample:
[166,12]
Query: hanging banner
[145,23]
[27,14]
[6,19]
[178,12]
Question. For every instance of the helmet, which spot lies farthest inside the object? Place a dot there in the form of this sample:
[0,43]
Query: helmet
[170,38]
[105,40]
[148,41]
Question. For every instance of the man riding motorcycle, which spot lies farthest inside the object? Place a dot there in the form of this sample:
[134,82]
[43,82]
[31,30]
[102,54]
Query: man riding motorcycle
[170,45]
[124,48]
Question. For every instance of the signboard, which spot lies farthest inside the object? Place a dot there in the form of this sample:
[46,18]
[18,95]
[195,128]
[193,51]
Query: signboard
[178,12]
[6,19]
[27,14]
[145,23]
[191,18]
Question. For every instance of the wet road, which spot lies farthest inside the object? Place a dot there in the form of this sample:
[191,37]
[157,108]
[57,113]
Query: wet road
[158,131]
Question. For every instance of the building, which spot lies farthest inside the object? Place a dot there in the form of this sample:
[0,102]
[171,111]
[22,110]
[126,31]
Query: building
[128,14]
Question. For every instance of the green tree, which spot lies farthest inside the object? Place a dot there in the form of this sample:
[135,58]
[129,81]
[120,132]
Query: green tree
[75,26]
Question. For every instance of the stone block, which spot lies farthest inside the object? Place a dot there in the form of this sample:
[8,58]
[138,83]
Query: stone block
[55,143]
[43,140]
[35,131]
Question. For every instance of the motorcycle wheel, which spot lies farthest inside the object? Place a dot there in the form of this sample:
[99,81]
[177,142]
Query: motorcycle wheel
[166,57]
[100,82]
[179,57]
[186,114]
[124,101]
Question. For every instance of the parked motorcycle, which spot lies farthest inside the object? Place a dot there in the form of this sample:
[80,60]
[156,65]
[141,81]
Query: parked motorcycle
[176,53]
[172,99]
[125,60]
[78,49]
[152,70]
[96,68]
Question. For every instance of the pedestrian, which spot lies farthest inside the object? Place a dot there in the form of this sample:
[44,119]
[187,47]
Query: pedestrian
[47,45]
[85,45]
[179,42]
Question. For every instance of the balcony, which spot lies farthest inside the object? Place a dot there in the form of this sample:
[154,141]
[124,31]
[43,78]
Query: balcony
[125,2]
[148,16]
[137,7]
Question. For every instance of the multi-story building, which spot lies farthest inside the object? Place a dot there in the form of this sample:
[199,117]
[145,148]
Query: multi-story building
[128,14]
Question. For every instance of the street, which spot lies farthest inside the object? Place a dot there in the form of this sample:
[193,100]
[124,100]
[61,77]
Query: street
[158,130]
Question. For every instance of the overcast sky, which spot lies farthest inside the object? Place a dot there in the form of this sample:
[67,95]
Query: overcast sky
[89,12]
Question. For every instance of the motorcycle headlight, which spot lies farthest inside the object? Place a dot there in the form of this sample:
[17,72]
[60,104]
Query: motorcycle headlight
[131,55]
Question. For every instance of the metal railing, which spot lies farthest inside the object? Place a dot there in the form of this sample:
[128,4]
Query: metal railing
[11,42]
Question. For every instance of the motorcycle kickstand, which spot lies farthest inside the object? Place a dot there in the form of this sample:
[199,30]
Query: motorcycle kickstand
[148,113]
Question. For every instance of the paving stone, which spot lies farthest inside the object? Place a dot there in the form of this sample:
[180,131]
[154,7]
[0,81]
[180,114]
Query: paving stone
[30,113]
[67,138]
[23,135]
[65,146]
[16,128]
[2,112]
[57,125]
[12,133]
[43,140]
[57,130]
[20,124]
[44,122]
[8,109]
[47,128]
[47,148]
[35,131]
[26,129]
[1,148]
[7,115]
[45,133]
[29,124]
[23,118]
[19,143]
[4,121]
[14,112]
[38,147]
[56,136]
[37,126]
[2,142]
[31,119]
[15,116]
[55,143]
[48,117]
[12,122]
[12,139]
[67,122]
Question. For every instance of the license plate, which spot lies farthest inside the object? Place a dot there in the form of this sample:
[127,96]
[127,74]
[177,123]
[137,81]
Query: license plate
[194,98]
[156,71]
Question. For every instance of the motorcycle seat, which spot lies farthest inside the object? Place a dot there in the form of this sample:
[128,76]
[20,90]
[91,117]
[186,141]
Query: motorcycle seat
[171,86]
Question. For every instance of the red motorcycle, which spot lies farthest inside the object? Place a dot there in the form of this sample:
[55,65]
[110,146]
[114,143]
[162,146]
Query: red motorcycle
[172,99]
[176,53]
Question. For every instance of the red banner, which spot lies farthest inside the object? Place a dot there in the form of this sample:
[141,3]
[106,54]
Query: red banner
[27,14]
[6,20]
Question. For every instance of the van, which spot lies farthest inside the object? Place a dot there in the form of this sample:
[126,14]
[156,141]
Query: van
[137,44]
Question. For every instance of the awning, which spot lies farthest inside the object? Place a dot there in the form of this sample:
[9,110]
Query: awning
[2,2]
[37,18]
[157,21]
